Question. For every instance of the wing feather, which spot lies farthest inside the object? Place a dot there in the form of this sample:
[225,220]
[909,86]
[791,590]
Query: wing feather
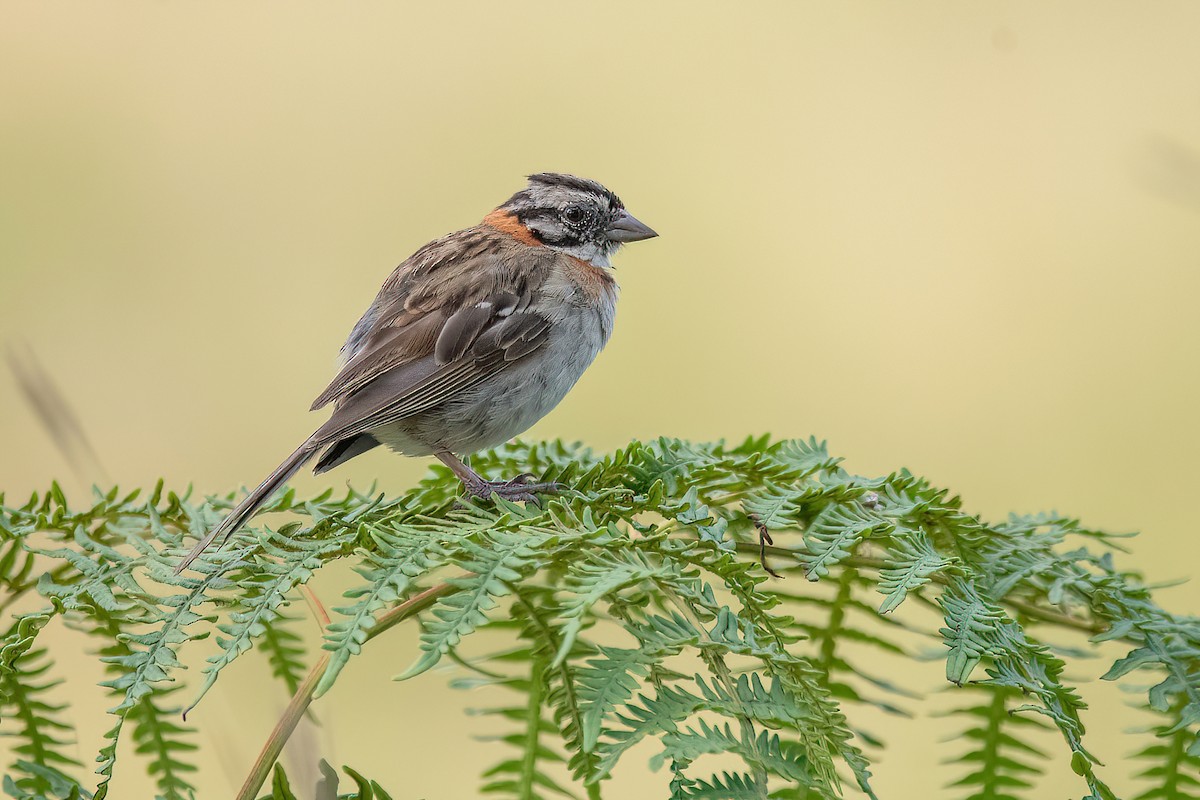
[417,387]
[399,346]
[438,303]
[460,331]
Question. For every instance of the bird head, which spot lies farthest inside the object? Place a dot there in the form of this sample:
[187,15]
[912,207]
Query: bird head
[575,216]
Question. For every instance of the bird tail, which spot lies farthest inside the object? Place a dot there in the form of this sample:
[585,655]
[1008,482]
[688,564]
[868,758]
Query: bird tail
[245,509]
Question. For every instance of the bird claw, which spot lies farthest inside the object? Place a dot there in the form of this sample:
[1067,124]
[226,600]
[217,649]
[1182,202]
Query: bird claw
[516,490]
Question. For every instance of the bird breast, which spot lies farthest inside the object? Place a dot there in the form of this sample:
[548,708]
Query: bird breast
[582,306]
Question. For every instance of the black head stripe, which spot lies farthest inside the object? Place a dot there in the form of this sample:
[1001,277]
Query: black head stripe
[573,182]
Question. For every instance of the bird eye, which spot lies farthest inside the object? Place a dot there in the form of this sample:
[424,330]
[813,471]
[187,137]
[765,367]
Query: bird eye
[574,215]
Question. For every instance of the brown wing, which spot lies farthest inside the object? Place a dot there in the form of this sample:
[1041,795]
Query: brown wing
[423,384]
[437,303]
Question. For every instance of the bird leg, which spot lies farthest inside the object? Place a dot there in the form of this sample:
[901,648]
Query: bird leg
[517,489]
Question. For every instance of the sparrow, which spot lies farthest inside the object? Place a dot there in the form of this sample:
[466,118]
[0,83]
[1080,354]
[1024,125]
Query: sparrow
[471,340]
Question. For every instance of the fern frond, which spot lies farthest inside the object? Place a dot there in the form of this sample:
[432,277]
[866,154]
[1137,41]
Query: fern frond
[16,564]
[536,613]
[42,783]
[365,789]
[659,713]
[785,760]
[261,599]
[1173,647]
[21,637]
[498,560]
[523,777]
[653,554]
[588,582]
[158,738]
[284,649]
[607,682]
[727,786]
[834,533]
[1172,769]
[839,622]
[806,456]
[161,741]
[401,555]
[1000,764]
[911,562]
[35,724]
[527,670]
[972,627]
[1019,662]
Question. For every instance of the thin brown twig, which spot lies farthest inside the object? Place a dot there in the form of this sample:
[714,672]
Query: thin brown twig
[304,694]
[314,603]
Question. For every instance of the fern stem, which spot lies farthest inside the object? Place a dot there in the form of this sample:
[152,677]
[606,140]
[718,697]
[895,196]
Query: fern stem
[568,688]
[1176,757]
[1028,609]
[997,712]
[14,594]
[282,732]
[314,602]
[533,725]
[720,670]
[837,618]
[29,720]
[304,695]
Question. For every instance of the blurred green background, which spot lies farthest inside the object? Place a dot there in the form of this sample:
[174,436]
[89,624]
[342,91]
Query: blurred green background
[961,238]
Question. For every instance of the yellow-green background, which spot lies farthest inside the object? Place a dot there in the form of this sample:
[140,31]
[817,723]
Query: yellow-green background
[958,237]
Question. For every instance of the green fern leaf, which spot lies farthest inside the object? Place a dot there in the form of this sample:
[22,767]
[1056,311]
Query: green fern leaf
[805,456]
[913,561]
[263,595]
[1172,770]
[161,741]
[366,789]
[502,559]
[42,783]
[42,737]
[147,659]
[284,650]
[402,555]
[607,682]
[833,535]
[648,714]
[727,786]
[281,787]
[590,581]
[776,506]
[652,545]
[1000,764]
[972,625]
[21,637]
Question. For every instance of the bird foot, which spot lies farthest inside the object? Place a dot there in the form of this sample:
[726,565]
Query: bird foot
[518,489]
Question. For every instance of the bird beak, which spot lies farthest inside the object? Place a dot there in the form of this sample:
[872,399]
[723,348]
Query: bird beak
[627,228]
